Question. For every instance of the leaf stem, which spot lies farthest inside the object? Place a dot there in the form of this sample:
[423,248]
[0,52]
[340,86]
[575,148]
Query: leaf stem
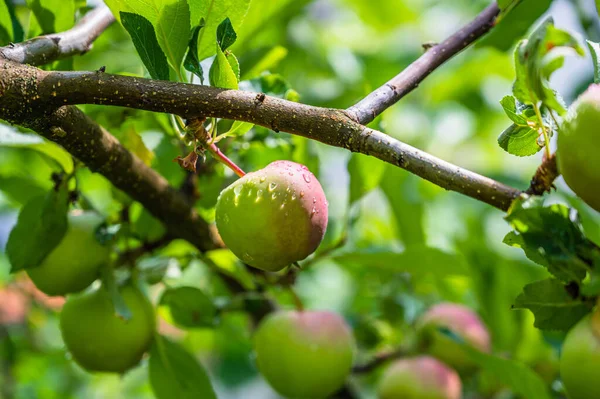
[297,301]
[219,156]
[544,132]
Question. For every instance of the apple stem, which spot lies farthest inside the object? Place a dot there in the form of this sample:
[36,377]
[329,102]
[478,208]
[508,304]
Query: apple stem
[219,156]
[297,302]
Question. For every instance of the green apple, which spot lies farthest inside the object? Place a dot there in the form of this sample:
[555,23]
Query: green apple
[580,359]
[421,377]
[579,145]
[459,321]
[274,216]
[75,263]
[305,354]
[99,339]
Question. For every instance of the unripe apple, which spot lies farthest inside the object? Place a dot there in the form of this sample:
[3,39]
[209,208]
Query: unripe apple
[305,354]
[460,321]
[274,216]
[420,377]
[579,145]
[74,264]
[580,359]
[99,339]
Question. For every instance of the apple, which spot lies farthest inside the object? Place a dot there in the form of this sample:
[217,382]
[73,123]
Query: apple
[578,147]
[460,321]
[274,216]
[304,354]
[422,377]
[99,339]
[75,263]
[580,359]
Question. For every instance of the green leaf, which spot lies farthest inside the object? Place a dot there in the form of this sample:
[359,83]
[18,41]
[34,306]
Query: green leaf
[18,34]
[238,128]
[268,61]
[144,39]
[146,226]
[518,140]
[173,30]
[175,373]
[41,225]
[53,15]
[521,379]
[189,307]
[10,137]
[595,51]
[21,188]
[6,24]
[365,174]
[191,62]
[131,140]
[504,4]
[551,236]
[535,61]
[514,22]
[221,74]
[170,20]
[552,305]
[214,12]
[416,260]
[154,269]
[234,64]
[226,35]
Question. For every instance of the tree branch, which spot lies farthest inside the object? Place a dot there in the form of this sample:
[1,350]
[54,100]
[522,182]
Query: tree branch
[406,81]
[543,180]
[378,360]
[78,40]
[45,90]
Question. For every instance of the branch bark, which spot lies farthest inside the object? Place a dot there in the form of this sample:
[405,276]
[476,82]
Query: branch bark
[43,90]
[78,40]
[406,81]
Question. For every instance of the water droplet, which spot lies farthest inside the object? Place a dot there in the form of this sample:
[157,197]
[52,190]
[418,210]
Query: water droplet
[306,177]
[237,190]
[259,194]
[262,179]
[301,194]
[272,186]
[314,200]
[225,218]
[274,196]
[247,257]
[293,196]
[282,205]
[291,174]
[312,213]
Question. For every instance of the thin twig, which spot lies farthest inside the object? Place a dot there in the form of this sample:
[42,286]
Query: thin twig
[378,360]
[330,126]
[77,40]
[387,95]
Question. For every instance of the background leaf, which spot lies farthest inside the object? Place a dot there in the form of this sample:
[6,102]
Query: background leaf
[595,52]
[365,174]
[552,305]
[53,15]
[189,307]
[41,225]
[10,137]
[174,373]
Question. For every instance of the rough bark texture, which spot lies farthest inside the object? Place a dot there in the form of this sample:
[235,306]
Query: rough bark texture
[43,89]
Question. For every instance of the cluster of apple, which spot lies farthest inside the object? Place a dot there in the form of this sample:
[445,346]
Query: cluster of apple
[95,336]
[309,354]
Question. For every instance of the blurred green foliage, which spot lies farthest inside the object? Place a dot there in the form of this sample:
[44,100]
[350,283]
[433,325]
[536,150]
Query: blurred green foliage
[395,244]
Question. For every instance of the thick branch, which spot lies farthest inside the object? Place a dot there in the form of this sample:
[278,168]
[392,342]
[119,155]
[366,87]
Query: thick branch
[329,126]
[406,81]
[78,40]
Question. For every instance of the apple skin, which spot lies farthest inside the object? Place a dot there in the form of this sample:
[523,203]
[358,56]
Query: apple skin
[578,147]
[422,377]
[101,341]
[274,216]
[580,359]
[75,263]
[305,354]
[462,322]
